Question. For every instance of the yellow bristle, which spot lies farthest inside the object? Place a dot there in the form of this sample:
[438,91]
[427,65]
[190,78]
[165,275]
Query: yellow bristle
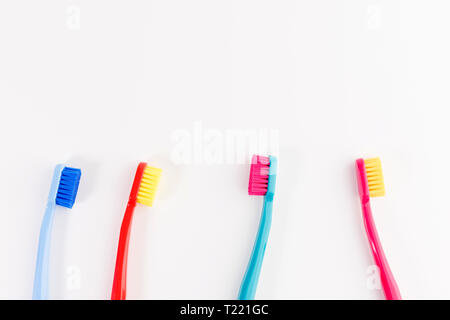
[148,186]
[375,177]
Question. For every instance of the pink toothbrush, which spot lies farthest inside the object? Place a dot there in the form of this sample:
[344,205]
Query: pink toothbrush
[371,184]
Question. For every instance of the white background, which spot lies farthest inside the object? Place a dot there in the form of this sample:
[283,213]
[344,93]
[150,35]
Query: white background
[337,80]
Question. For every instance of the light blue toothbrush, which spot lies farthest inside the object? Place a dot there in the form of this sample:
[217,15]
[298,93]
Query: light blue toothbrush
[263,172]
[63,192]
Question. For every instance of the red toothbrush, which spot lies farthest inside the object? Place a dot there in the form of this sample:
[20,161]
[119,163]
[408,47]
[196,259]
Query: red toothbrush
[143,191]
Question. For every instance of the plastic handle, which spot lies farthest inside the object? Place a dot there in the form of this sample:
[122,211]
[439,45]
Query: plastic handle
[390,288]
[119,290]
[251,277]
[41,276]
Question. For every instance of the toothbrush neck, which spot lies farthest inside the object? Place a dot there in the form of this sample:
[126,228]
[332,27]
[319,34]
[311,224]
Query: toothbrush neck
[269,196]
[365,199]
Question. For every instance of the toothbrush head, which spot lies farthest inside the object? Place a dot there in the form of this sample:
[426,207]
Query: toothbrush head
[148,185]
[68,187]
[375,178]
[370,178]
[259,176]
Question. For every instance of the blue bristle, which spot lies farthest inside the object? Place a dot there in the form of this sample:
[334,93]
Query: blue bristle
[68,187]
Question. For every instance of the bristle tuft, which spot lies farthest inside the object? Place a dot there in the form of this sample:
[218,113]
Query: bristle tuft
[259,176]
[68,187]
[375,178]
[148,186]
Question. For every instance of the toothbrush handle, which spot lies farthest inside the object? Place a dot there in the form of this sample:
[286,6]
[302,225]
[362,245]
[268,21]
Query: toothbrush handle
[119,290]
[40,288]
[390,287]
[250,281]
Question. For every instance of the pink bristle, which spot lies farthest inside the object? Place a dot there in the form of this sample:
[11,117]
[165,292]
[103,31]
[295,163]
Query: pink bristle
[259,176]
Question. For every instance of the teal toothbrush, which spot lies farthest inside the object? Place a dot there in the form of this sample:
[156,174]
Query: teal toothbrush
[263,172]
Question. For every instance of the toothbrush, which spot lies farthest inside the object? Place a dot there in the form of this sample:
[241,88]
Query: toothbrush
[263,172]
[143,191]
[63,192]
[371,184]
